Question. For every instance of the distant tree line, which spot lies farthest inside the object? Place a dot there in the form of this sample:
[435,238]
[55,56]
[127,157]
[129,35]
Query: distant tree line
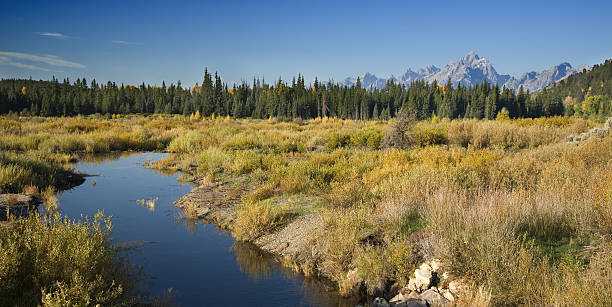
[298,100]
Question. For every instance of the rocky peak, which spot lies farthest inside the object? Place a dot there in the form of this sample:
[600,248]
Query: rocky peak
[470,58]
[470,70]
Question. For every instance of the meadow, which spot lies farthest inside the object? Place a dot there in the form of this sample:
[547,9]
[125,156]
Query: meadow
[511,208]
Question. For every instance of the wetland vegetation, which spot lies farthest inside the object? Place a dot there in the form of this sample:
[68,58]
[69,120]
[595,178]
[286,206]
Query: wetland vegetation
[516,212]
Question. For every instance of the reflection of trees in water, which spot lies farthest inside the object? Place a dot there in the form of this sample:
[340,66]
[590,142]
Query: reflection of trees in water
[99,158]
[258,264]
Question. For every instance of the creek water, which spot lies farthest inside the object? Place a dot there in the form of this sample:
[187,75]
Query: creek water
[203,266]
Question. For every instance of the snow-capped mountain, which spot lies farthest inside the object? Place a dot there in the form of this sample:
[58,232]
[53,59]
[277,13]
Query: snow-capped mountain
[471,70]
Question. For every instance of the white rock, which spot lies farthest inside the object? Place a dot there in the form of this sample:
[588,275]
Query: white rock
[422,277]
[425,267]
[435,265]
[412,285]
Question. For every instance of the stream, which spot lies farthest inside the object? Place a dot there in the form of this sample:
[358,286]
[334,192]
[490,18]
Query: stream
[193,263]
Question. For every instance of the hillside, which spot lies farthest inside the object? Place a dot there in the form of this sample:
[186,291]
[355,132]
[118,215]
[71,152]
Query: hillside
[587,93]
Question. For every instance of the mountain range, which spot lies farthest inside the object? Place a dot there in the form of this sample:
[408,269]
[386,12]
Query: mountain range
[471,70]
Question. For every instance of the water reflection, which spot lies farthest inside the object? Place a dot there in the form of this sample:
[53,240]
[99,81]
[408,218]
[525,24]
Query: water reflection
[99,158]
[148,203]
[252,261]
[258,264]
[191,225]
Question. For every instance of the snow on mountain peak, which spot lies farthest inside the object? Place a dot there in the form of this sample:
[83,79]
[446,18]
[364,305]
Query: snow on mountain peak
[469,71]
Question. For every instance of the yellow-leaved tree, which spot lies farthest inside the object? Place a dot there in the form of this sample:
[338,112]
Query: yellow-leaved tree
[503,114]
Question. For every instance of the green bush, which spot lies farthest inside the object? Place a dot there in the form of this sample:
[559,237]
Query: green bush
[187,143]
[367,138]
[429,135]
[336,140]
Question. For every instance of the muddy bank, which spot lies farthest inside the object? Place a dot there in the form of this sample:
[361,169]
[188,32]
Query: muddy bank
[214,203]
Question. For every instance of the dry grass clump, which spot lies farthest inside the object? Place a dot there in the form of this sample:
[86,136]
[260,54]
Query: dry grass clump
[50,200]
[187,143]
[256,219]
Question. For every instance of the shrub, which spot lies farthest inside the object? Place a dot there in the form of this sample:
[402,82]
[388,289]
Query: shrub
[33,169]
[62,143]
[62,261]
[186,143]
[396,136]
[429,135]
[377,265]
[336,140]
[212,161]
[348,193]
[367,138]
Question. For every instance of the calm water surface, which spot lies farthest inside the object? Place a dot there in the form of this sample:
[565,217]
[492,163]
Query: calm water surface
[202,265]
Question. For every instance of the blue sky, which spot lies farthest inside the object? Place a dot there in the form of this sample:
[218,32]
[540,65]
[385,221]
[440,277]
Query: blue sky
[150,41]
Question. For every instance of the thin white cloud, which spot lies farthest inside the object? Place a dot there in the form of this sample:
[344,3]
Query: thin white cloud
[53,34]
[116,41]
[26,66]
[15,58]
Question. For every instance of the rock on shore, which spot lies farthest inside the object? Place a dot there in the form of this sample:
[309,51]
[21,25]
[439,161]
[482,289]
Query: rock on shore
[429,287]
